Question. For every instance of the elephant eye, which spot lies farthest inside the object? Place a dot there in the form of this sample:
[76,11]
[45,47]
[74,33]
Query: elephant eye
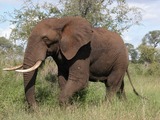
[49,42]
[45,38]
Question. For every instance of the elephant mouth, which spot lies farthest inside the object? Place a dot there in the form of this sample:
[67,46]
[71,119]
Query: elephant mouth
[17,68]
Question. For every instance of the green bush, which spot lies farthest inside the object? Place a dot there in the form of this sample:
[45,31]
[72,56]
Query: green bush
[139,69]
[153,69]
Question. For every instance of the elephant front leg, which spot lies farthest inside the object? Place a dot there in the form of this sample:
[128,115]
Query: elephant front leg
[62,82]
[62,78]
[70,88]
[77,80]
[29,84]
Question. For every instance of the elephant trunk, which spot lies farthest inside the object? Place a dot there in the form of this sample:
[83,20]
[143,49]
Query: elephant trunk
[32,55]
[29,85]
[29,81]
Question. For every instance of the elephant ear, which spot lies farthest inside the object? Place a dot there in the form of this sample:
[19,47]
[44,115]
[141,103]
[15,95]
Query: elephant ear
[75,34]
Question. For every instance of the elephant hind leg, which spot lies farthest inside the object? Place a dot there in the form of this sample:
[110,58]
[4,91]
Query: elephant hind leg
[114,85]
[121,93]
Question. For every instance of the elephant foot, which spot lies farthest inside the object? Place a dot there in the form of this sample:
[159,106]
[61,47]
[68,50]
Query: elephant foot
[122,96]
[32,108]
[110,96]
[63,101]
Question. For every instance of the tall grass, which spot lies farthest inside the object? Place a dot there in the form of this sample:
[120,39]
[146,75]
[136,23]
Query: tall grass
[90,106]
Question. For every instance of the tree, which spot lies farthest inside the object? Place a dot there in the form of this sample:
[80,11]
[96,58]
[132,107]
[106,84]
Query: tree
[7,47]
[149,51]
[152,38]
[132,52]
[27,17]
[147,54]
[115,15]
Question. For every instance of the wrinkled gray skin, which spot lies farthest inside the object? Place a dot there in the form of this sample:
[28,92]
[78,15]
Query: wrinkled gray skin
[82,53]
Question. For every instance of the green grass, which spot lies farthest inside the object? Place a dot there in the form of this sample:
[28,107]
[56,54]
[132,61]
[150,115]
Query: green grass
[90,106]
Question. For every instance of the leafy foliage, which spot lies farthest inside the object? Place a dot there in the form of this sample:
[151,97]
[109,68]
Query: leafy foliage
[115,15]
[27,17]
[8,48]
[147,54]
[132,52]
[149,49]
[152,38]
[5,44]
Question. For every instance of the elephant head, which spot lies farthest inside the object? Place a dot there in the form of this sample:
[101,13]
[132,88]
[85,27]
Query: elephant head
[67,34]
[51,37]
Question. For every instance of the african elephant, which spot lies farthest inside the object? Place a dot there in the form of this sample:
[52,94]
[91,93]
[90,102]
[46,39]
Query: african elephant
[82,53]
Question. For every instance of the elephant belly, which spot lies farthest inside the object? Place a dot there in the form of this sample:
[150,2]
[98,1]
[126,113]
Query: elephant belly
[100,70]
[99,75]
[93,78]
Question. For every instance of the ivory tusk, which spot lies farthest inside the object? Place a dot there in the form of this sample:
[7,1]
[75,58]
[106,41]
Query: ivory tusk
[38,63]
[13,68]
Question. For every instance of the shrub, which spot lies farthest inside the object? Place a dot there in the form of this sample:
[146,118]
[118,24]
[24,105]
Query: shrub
[153,69]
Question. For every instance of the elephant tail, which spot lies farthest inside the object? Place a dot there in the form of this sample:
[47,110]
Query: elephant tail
[134,90]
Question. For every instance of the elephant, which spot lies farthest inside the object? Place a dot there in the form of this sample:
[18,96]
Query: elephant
[82,53]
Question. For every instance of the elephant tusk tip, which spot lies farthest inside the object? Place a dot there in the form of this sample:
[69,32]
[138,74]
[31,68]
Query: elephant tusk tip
[5,69]
[12,68]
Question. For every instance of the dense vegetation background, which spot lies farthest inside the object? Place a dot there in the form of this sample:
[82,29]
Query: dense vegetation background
[89,104]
